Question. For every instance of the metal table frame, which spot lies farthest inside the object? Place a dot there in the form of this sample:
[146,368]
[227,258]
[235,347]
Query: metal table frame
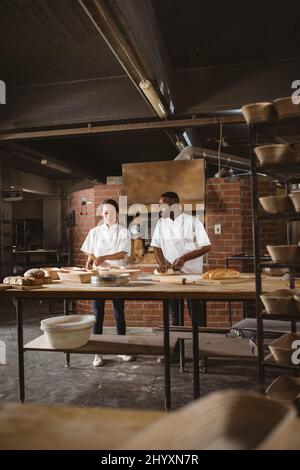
[18,302]
[19,296]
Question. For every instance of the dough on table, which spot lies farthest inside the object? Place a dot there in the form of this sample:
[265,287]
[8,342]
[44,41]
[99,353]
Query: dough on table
[168,272]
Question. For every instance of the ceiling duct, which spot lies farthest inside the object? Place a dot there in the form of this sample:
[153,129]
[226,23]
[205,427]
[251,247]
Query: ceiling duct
[212,157]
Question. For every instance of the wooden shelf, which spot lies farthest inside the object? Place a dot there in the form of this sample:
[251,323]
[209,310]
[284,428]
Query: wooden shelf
[283,216]
[269,316]
[270,361]
[151,345]
[279,265]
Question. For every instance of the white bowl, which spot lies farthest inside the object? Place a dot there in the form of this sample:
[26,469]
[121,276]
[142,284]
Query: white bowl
[68,331]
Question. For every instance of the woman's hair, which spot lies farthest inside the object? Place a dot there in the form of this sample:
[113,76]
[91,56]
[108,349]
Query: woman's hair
[112,202]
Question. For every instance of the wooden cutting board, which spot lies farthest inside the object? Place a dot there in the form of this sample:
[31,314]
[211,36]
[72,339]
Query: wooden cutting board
[189,279]
[5,286]
[180,279]
[27,287]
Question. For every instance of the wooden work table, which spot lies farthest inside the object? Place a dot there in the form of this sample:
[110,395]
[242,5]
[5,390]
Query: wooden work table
[234,291]
[144,289]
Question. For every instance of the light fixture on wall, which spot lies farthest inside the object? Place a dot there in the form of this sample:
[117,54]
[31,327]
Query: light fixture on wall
[84,202]
[56,166]
[221,173]
[153,98]
[233,176]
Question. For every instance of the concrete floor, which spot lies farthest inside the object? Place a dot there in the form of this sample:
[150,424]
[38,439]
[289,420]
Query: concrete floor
[137,384]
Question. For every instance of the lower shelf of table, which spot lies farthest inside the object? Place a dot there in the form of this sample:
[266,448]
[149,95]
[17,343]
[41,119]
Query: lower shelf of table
[151,345]
[210,345]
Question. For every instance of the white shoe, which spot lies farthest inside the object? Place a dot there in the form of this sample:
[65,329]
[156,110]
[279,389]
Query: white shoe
[98,361]
[126,358]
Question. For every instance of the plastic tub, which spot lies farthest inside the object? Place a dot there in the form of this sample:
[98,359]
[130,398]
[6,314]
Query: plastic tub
[68,331]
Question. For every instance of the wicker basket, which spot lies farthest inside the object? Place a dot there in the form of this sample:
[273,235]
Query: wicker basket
[277,155]
[219,421]
[284,389]
[295,198]
[277,204]
[286,108]
[259,112]
[282,349]
[284,253]
[280,302]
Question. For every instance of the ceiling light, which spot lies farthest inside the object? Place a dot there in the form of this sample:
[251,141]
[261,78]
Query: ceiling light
[153,98]
[187,139]
[56,166]
[221,173]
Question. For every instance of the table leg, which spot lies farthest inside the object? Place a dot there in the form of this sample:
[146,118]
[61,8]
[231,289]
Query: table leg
[167,355]
[19,313]
[66,312]
[196,375]
[181,341]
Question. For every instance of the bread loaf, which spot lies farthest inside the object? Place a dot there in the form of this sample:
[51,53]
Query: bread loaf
[35,273]
[221,273]
[23,281]
[225,274]
[210,272]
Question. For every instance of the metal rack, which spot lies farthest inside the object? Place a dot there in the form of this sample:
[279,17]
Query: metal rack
[287,176]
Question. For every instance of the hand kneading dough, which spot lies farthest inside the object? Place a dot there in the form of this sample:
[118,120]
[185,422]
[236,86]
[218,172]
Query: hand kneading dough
[167,273]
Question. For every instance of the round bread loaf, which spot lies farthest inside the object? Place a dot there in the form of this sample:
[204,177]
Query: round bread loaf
[35,273]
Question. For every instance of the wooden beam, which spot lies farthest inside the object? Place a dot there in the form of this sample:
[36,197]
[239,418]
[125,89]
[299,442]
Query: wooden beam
[114,128]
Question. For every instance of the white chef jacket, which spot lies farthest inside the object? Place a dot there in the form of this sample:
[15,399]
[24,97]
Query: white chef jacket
[180,236]
[107,240]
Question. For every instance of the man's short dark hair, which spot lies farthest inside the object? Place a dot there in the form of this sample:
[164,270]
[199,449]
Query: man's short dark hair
[171,195]
[113,203]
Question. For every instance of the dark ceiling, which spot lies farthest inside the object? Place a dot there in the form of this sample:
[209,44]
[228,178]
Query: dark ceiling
[203,58]
[44,41]
[102,154]
[208,33]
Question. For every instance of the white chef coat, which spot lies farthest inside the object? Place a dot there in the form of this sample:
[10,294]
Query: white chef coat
[107,240]
[180,236]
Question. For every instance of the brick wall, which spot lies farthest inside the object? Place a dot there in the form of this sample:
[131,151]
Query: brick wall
[227,203]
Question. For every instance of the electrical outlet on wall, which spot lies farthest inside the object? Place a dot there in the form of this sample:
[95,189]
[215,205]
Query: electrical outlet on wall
[217,229]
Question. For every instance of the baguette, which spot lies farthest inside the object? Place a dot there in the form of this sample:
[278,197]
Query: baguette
[210,272]
[221,273]
[225,274]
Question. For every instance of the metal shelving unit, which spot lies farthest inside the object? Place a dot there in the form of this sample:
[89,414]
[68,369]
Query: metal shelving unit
[287,176]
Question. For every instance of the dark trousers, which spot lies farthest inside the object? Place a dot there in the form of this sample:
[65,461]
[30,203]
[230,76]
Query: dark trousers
[99,311]
[195,306]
